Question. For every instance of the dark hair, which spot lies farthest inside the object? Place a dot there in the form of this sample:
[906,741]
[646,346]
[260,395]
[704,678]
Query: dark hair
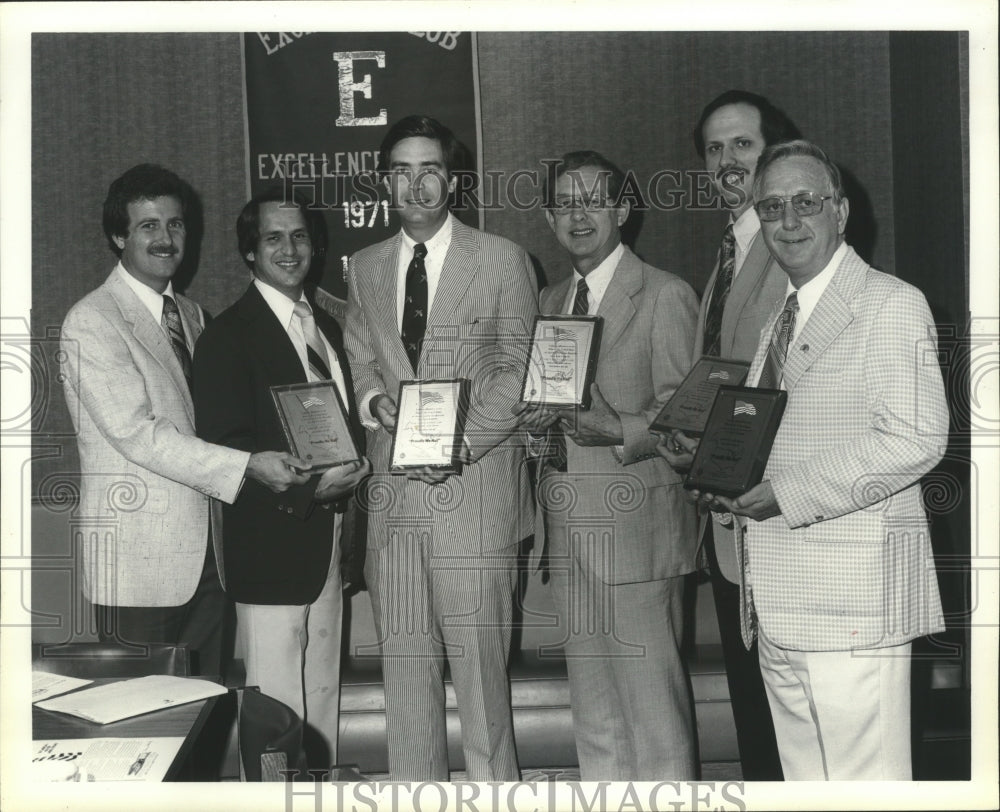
[141,182]
[572,161]
[423,127]
[788,149]
[775,126]
[248,223]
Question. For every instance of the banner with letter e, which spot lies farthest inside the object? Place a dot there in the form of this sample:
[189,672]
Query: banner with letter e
[317,108]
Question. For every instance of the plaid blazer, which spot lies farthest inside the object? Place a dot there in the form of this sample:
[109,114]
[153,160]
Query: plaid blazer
[848,563]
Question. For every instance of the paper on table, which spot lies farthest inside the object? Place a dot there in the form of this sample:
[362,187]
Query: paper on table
[132,697]
[44,684]
[103,759]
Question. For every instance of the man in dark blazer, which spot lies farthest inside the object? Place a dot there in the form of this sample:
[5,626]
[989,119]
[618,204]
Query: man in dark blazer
[733,130]
[620,533]
[281,557]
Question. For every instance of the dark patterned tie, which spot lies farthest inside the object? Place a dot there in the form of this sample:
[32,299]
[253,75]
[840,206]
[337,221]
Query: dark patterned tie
[415,305]
[319,361]
[581,305]
[175,329]
[777,351]
[720,292]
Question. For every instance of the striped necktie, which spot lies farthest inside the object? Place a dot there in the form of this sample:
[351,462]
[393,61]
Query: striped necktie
[781,337]
[175,330]
[319,362]
[720,292]
[581,305]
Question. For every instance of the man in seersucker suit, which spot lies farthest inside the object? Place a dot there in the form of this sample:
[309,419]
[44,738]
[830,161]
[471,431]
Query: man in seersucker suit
[441,300]
[620,534]
[146,481]
[838,570]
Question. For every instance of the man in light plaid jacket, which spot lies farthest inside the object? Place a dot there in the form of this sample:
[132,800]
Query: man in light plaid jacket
[838,570]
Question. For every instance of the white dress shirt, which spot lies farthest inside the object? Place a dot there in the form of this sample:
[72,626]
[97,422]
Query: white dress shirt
[153,300]
[745,229]
[284,309]
[597,282]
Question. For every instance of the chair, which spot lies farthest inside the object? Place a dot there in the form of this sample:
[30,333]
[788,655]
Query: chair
[115,660]
[270,737]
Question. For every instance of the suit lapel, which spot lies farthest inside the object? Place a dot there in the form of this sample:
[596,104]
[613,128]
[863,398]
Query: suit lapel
[829,318]
[150,335]
[383,281]
[753,270]
[461,264]
[272,348]
[616,307]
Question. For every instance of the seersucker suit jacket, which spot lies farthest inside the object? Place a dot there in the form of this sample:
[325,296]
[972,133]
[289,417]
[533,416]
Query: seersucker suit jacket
[146,481]
[473,333]
[757,289]
[848,563]
[634,503]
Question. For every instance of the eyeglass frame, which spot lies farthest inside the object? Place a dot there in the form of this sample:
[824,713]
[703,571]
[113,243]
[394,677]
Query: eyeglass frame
[791,199]
[568,207]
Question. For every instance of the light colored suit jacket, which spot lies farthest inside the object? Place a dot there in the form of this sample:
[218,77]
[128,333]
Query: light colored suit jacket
[645,352]
[848,563]
[757,289]
[145,479]
[477,328]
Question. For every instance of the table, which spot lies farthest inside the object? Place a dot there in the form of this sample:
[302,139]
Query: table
[185,721]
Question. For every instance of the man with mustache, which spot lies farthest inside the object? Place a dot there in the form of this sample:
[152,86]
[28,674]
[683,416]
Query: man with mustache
[733,130]
[146,480]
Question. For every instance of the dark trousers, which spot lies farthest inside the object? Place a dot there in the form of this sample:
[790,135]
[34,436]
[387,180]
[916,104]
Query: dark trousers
[205,624]
[751,712]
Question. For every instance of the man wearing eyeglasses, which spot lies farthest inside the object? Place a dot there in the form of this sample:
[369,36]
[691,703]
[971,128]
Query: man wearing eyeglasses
[620,535]
[734,128]
[837,559]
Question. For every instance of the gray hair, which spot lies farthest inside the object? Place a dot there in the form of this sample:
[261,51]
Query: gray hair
[788,149]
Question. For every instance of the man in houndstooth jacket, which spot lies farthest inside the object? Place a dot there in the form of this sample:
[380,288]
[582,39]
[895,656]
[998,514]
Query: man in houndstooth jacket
[838,571]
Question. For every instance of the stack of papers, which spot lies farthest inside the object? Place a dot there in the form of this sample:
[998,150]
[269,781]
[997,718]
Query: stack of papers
[132,697]
[44,685]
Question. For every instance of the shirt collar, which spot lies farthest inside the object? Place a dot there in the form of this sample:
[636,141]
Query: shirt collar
[281,305]
[600,277]
[745,228]
[442,239]
[809,294]
[149,297]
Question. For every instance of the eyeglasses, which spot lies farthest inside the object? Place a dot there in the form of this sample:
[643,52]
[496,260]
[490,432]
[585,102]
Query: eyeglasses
[564,207]
[804,204]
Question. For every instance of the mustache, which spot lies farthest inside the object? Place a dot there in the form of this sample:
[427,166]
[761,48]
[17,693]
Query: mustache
[162,249]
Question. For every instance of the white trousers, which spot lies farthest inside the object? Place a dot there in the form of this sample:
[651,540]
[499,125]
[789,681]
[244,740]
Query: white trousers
[293,654]
[840,715]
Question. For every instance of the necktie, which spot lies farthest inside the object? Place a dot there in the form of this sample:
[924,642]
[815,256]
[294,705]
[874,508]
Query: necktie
[720,292]
[319,362]
[415,305]
[781,336]
[175,329]
[581,306]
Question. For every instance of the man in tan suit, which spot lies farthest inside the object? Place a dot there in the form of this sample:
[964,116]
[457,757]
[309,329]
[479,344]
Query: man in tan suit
[146,481]
[620,534]
[733,130]
[442,300]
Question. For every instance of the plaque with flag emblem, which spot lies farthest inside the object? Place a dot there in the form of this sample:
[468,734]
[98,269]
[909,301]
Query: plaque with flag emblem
[689,405]
[430,425]
[736,443]
[315,423]
[562,360]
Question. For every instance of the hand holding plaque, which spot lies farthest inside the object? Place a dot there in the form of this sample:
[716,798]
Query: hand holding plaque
[430,425]
[689,406]
[734,449]
[562,361]
[315,423]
